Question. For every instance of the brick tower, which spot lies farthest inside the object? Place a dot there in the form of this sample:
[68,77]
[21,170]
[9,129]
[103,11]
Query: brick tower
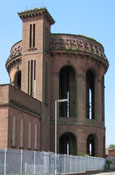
[56,66]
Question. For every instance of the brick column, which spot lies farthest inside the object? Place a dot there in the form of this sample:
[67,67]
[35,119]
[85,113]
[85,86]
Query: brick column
[54,96]
[98,99]
[103,100]
[81,96]
[54,91]
[81,142]
[100,144]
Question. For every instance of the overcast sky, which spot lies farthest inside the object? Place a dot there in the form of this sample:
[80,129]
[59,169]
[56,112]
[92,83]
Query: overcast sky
[93,18]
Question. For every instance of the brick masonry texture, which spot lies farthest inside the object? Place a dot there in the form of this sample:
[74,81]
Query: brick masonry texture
[52,52]
[111,155]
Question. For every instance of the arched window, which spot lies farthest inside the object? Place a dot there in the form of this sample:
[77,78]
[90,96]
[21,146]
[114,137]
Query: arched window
[67,89]
[17,80]
[91,145]
[67,144]
[90,95]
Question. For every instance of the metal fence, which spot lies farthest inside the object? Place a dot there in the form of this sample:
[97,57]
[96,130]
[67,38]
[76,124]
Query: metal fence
[21,162]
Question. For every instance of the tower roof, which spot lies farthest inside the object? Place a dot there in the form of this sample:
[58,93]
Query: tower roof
[36,12]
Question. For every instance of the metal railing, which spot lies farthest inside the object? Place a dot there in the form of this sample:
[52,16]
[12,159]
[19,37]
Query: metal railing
[21,162]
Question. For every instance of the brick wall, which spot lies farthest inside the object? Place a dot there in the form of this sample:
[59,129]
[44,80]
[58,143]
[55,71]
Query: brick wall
[15,106]
[52,53]
[81,134]
[79,126]
[3,127]
[20,115]
[111,153]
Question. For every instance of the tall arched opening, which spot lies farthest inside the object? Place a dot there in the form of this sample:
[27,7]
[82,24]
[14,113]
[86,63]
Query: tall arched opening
[90,95]
[92,145]
[17,80]
[67,89]
[68,144]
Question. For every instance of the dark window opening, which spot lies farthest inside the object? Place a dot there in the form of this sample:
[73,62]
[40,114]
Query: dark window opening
[31,77]
[90,95]
[67,144]
[34,69]
[33,35]
[67,89]
[30,43]
[18,80]
[28,77]
[31,92]
[91,145]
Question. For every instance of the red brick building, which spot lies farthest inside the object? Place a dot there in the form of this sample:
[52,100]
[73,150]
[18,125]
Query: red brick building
[111,155]
[44,67]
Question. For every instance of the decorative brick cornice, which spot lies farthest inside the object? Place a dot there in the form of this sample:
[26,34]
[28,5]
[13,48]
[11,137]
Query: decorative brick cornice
[78,45]
[36,12]
[15,51]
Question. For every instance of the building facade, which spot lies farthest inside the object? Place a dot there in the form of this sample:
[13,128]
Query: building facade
[111,156]
[44,67]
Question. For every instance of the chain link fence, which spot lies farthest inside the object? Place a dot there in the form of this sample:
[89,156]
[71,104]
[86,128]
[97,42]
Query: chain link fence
[21,162]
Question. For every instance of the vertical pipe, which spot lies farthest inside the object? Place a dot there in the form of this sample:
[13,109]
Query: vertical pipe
[5,161]
[55,137]
[21,161]
[34,162]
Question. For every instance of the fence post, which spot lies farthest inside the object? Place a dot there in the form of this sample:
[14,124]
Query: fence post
[49,171]
[5,161]
[21,157]
[34,162]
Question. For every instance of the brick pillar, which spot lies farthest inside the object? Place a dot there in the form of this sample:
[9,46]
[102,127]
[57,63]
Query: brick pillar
[81,142]
[81,96]
[98,99]
[54,96]
[103,100]
[100,144]
[54,92]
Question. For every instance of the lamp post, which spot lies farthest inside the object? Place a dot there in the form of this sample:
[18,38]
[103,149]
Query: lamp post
[56,107]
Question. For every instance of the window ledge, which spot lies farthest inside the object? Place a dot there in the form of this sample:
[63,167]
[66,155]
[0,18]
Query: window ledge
[31,49]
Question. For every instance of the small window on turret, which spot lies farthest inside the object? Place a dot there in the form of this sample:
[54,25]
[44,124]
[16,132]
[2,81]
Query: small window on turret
[32,36]
[30,43]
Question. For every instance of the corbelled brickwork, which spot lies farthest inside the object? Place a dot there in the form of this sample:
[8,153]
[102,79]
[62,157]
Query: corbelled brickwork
[49,67]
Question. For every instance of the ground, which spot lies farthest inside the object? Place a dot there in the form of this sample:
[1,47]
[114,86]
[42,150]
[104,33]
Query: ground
[107,173]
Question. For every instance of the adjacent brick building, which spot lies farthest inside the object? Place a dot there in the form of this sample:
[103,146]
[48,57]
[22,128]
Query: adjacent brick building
[111,155]
[44,67]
